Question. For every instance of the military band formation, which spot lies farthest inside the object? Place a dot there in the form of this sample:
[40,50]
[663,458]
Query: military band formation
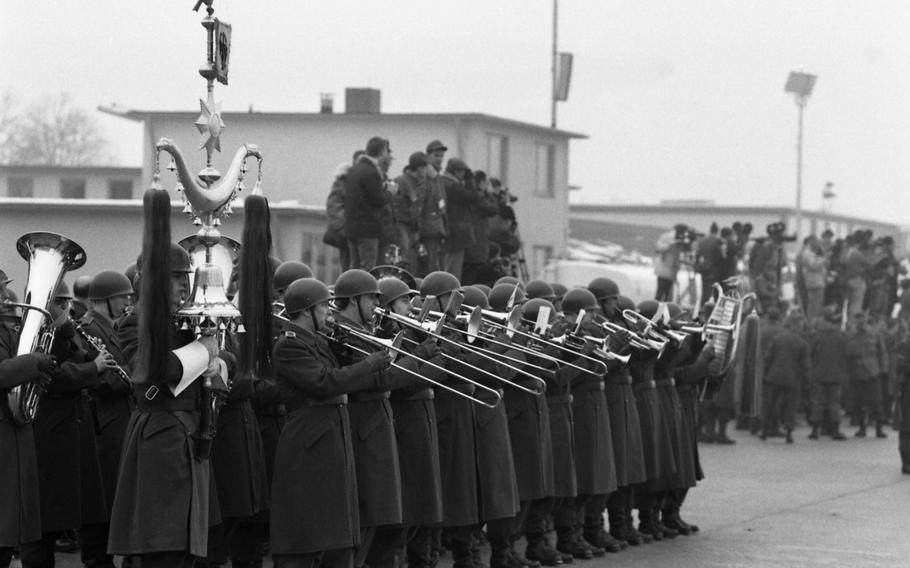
[372,421]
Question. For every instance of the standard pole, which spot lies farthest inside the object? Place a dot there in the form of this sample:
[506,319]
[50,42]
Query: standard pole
[801,104]
[553,67]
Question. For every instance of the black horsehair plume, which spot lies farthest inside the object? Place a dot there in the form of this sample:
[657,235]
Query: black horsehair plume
[155,323]
[256,287]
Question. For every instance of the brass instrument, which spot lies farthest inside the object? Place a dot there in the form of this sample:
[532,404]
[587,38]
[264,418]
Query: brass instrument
[652,328]
[431,330]
[49,255]
[723,325]
[637,341]
[100,347]
[393,345]
[602,343]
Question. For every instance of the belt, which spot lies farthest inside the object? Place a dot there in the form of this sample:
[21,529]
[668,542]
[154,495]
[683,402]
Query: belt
[167,405]
[309,402]
[560,399]
[464,388]
[367,396]
[645,385]
[666,383]
[620,380]
[425,394]
[592,386]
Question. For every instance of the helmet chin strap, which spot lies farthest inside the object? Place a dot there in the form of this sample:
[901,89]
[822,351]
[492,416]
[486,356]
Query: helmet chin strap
[313,316]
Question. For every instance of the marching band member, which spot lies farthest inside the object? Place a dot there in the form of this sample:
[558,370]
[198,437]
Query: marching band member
[497,484]
[20,515]
[595,471]
[457,449]
[314,508]
[356,295]
[69,475]
[415,432]
[161,508]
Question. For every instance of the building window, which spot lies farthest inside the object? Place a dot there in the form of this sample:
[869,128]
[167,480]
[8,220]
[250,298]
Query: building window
[119,189]
[498,157]
[72,188]
[546,164]
[21,187]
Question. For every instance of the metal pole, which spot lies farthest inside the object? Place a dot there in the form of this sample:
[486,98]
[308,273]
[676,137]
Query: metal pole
[801,103]
[553,67]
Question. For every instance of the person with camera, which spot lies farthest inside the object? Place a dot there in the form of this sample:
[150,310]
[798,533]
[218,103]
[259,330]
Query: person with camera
[461,197]
[477,256]
[408,203]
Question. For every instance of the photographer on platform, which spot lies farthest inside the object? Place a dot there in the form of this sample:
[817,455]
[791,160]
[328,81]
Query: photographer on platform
[670,248]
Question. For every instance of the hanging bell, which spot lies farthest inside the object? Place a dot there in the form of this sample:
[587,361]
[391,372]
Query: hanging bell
[240,186]
[184,326]
[240,328]
[216,222]
[197,221]
[187,208]
[172,166]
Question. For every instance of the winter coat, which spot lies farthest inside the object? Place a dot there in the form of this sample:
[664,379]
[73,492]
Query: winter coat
[459,201]
[365,197]
[786,360]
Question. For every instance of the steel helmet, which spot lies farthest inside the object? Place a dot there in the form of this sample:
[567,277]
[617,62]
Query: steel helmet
[63,291]
[355,282]
[559,289]
[439,283]
[648,308]
[510,280]
[305,293]
[540,289]
[391,289]
[81,286]
[578,299]
[177,256]
[603,289]
[109,283]
[289,271]
[532,307]
[474,296]
[502,293]
[675,310]
[624,303]
[483,288]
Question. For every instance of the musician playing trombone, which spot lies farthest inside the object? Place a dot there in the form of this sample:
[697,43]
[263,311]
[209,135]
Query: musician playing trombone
[20,520]
[314,510]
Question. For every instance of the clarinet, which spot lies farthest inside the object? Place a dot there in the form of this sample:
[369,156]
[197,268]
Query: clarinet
[100,347]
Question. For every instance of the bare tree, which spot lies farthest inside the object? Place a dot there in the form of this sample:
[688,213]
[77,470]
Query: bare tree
[50,132]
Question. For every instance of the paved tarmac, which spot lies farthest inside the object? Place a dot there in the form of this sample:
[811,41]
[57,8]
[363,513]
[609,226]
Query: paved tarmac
[821,503]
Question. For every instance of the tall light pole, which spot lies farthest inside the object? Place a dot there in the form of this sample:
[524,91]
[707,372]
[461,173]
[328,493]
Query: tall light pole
[800,85]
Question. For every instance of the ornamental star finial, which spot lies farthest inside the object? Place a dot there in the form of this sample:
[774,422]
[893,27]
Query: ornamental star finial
[210,125]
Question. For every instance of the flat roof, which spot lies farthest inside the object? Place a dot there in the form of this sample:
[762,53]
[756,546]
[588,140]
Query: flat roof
[75,170]
[729,209]
[142,115]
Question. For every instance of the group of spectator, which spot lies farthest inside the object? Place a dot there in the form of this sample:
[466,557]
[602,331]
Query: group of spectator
[427,218]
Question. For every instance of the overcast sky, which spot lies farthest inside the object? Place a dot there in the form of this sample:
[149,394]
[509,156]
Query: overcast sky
[681,100]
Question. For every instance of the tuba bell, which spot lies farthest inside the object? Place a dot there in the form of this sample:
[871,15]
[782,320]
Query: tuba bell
[49,255]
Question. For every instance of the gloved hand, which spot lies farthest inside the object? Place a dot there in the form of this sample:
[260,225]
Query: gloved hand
[44,362]
[379,361]
[427,350]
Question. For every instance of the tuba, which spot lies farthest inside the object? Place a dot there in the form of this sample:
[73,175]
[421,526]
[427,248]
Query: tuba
[49,255]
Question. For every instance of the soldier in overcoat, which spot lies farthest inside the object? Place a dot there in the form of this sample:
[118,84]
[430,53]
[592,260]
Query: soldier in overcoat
[110,294]
[161,507]
[414,409]
[69,474]
[20,515]
[356,296]
[314,509]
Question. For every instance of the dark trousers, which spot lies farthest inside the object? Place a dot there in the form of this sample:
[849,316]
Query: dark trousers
[903,445]
[364,253]
[93,542]
[664,289]
[867,400]
[707,287]
[418,547]
[779,402]
[39,553]
[339,558]
[825,403]
[387,543]
[238,539]
[538,518]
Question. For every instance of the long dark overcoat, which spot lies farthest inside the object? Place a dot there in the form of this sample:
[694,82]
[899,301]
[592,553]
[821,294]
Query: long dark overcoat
[162,499]
[657,440]
[69,474]
[314,491]
[626,428]
[375,447]
[20,515]
[113,402]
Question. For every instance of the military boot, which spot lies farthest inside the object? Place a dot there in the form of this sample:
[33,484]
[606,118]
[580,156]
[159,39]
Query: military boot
[836,434]
[519,559]
[540,549]
[670,518]
[630,529]
[568,543]
[461,553]
[789,436]
[596,551]
[647,524]
[879,432]
[861,433]
[595,533]
[500,557]
[814,434]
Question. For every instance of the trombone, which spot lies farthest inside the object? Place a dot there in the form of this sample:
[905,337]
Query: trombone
[600,351]
[652,328]
[394,345]
[430,329]
[637,341]
[509,322]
